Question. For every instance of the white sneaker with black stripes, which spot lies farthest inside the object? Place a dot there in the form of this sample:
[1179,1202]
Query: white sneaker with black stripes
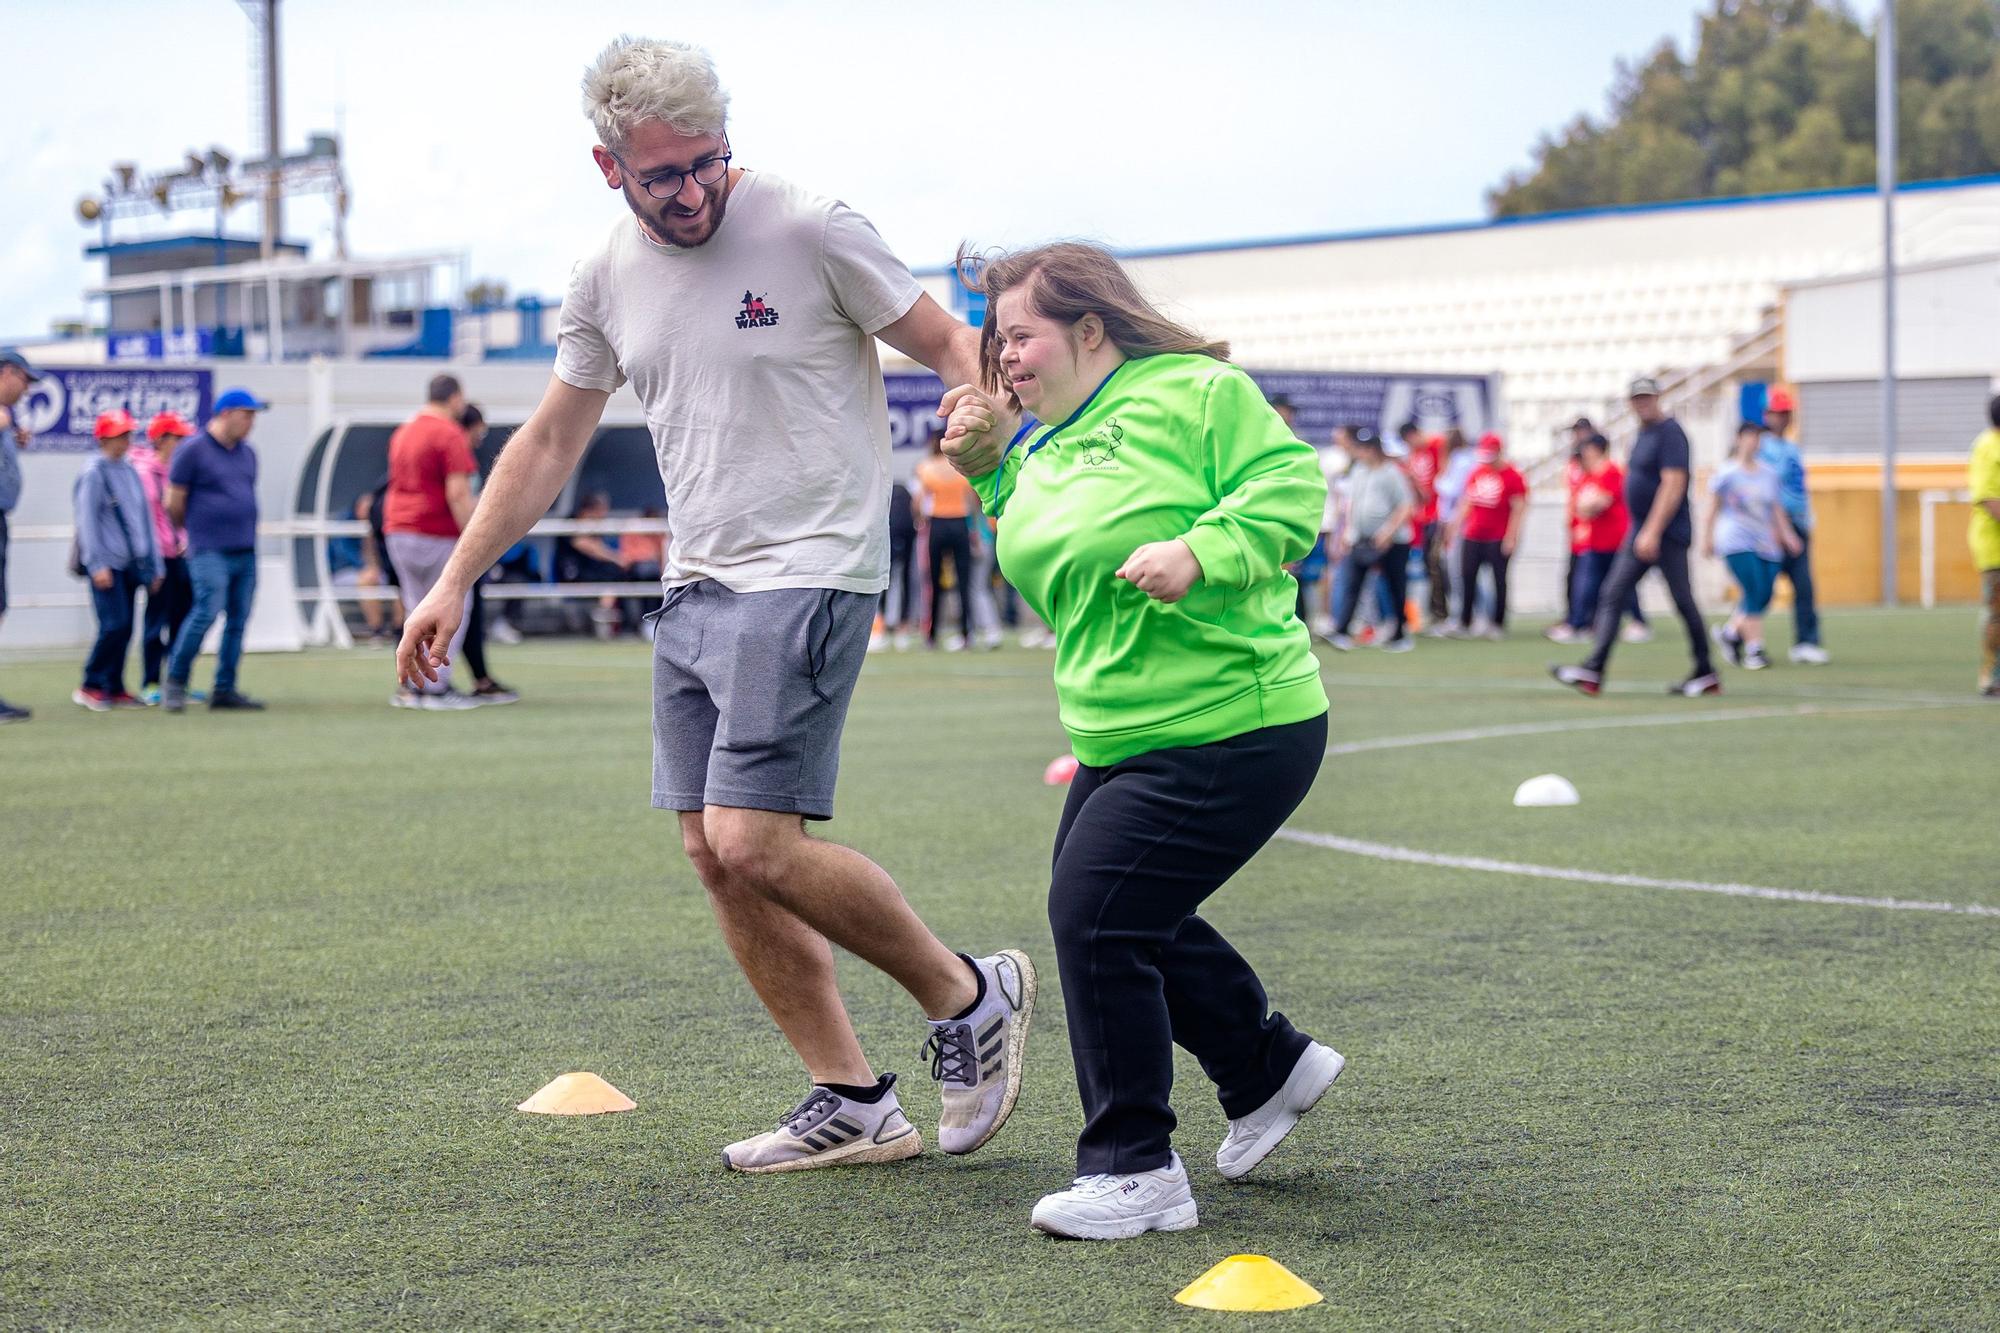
[827,1129]
[976,1060]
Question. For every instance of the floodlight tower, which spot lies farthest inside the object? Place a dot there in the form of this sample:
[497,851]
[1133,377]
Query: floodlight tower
[264,79]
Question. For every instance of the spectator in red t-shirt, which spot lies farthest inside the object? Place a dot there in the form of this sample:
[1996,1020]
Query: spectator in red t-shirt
[428,503]
[1599,523]
[1488,527]
[1425,461]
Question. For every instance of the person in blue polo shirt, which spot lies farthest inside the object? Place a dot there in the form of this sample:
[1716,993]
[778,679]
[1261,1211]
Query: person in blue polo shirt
[212,492]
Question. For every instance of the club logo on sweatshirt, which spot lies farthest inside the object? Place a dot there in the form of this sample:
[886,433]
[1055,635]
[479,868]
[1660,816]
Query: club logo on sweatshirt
[757,312]
[1100,444]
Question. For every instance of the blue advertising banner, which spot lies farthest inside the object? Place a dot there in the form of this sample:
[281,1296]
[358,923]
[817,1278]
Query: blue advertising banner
[1321,399]
[61,408]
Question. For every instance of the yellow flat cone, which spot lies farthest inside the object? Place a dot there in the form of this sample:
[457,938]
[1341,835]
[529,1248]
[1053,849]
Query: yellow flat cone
[1248,1282]
[578,1094]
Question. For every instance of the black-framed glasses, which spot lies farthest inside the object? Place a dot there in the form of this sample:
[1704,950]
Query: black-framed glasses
[707,172]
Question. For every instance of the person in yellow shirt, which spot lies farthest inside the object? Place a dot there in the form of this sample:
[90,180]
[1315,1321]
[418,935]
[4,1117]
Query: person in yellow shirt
[1985,537]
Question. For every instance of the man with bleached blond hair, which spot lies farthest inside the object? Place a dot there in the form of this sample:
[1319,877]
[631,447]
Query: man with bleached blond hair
[743,311]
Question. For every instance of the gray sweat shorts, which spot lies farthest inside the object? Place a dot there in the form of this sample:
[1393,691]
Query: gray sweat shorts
[750,692]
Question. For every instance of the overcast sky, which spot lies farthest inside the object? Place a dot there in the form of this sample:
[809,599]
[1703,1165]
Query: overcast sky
[1156,123]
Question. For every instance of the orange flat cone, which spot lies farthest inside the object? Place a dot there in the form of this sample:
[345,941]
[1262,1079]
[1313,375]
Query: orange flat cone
[578,1094]
[1060,770]
[1248,1282]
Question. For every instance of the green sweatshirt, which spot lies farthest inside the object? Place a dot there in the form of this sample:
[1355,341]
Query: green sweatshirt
[1168,446]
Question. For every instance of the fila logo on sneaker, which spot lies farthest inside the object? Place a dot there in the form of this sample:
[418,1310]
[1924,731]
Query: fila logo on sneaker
[1128,1187]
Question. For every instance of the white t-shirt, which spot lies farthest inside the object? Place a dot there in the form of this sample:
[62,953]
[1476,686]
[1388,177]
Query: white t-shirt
[754,358]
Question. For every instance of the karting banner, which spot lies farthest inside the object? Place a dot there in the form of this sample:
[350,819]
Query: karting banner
[1322,399]
[61,408]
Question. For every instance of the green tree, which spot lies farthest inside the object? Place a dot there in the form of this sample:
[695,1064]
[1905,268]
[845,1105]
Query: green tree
[1779,95]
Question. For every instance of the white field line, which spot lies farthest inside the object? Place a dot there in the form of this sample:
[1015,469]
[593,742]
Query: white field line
[1384,852]
[1603,724]
[1340,680]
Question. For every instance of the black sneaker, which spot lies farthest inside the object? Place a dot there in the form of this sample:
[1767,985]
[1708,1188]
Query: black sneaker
[9,713]
[493,692]
[222,700]
[1581,679]
[1730,643]
[1696,686]
[1754,659]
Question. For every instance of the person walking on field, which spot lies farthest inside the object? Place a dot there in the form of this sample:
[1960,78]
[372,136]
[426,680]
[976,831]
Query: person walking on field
[1748,528]
[427,506]
[772,434]
[1380,502]
[212,493]
[949,511]
[116,551]
[1781,456]
[1599,522]
[1489,528]
[167,608]
[1656,491]
[15,377]
[1984,536]
[1149,524]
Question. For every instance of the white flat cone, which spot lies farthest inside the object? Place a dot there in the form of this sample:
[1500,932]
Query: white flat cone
[577,1094]
[1548,789]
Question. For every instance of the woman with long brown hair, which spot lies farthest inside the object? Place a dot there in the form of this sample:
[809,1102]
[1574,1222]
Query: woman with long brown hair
[1147,518]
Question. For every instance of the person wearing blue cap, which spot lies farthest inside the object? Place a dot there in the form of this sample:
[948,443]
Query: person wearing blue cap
[15,377]
[212,492]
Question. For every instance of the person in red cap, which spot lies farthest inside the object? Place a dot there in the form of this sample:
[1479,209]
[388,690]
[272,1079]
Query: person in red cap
[1488,528]
[169,606]
[1778,453]
[116,551]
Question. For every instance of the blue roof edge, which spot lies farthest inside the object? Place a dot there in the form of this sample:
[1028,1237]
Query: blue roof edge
[1530,219]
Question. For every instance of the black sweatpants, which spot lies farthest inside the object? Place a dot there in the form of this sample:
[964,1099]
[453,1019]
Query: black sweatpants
[902,580]
[1623,581]
[165,612]
[1141,845]
[1472,557]
[953,537]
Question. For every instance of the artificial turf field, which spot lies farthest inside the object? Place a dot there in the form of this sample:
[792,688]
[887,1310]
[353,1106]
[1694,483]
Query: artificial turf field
[274,984]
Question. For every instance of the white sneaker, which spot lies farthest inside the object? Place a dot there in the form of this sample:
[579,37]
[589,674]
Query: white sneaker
[1561,632]
[901,642]
[877,642]
[1634,632]
[1811,654]
[954,643]
[1120,1207]
[501,630]
[989,639]
[406,698]
[976,1060]
[827,1129]
[1340,643]
[447,701]
[1251,1139]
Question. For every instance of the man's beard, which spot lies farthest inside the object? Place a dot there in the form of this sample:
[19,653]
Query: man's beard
[666,224]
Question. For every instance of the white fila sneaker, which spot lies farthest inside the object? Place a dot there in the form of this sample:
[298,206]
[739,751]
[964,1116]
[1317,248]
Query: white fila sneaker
[827,1129]
[1120,1207]
[1251,1139]
[977,1060]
